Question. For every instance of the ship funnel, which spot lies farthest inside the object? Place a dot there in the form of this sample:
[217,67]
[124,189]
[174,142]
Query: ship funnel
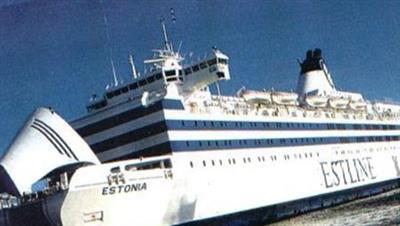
[45,143]
[314,76]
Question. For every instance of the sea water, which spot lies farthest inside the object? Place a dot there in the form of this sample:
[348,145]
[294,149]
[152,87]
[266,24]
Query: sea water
[382,209]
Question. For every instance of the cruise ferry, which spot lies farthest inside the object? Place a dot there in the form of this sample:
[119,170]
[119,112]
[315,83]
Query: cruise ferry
[169,152]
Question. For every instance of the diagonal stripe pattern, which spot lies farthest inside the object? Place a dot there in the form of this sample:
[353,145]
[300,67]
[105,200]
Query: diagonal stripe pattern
[55,139]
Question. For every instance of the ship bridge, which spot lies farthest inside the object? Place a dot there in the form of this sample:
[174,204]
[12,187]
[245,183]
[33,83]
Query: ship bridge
[167,77]
[212,69]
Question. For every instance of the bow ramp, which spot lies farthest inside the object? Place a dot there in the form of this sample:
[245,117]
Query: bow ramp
[44,145]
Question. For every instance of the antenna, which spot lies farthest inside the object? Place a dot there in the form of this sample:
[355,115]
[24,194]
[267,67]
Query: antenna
[114,73]
[166,42]
[105,20]
[132,66]
[179,47]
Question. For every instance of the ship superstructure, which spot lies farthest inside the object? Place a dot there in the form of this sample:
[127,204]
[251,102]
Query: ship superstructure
[172,109]
[130,120]
[173,153]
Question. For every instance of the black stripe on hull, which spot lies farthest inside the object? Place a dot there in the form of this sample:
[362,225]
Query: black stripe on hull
[269,214]
[129,137]
[118,119]
[156,150]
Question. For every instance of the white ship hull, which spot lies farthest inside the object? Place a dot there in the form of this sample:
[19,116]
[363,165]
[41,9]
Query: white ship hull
[201,193]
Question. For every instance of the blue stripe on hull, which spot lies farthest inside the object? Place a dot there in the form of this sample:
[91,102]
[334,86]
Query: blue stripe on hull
[268,214]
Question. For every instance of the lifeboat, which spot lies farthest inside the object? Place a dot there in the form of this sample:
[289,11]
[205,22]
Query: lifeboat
[256,96]
[317,101]
[284,98]
[338,102]
[358,105]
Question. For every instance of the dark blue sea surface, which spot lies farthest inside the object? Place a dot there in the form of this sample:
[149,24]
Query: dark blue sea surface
[382,209]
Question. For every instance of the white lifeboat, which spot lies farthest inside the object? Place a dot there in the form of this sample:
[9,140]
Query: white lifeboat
[256,96]
[284,98]
[316,101]
[338,102]
[358,105]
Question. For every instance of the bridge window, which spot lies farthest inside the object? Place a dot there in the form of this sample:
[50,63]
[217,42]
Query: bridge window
[170,73]
[133,86]
[203,65]
[188,71]
[212,62]
[171,79]
[124,89]
[142,82]
[158,76]
[97,105]
[222,61]
[109,95]
[195,68]
[150,79]
[117,92]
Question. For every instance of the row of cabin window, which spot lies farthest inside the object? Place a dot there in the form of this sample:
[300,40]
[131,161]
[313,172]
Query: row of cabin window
[227,143]
[204,65]
[170,76]
[358,151]
[273,158]
[97,105]
[280,125]
[135,85]
[256,142]
[247,160]
[368,139]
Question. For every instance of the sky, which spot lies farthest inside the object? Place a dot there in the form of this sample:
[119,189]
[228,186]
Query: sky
[57,52]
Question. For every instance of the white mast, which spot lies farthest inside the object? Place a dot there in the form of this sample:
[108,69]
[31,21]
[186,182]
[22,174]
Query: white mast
[132,66]
[166,42]
[114,73]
